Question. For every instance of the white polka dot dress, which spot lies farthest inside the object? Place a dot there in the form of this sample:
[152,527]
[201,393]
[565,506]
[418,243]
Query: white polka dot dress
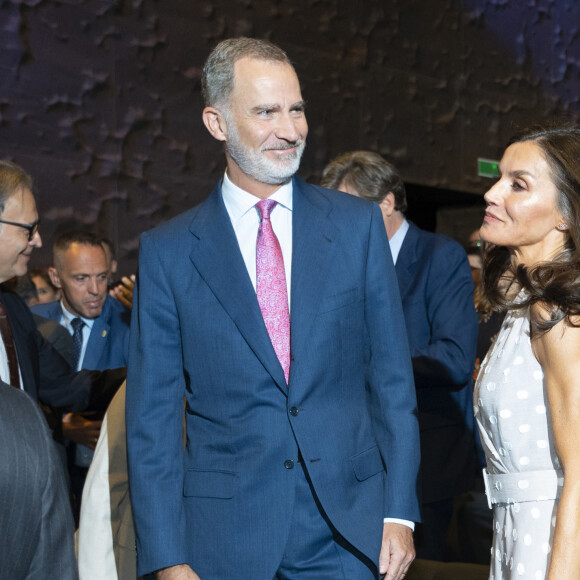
[523,476]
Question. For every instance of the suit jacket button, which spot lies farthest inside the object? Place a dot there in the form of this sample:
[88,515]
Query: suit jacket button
[294,411]
[289,464]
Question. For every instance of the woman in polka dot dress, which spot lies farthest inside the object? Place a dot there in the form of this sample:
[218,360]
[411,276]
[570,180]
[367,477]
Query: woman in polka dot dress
[527,396]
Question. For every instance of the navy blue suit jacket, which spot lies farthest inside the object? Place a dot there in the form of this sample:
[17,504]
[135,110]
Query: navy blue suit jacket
[225,507]
[437,293]
[108,344]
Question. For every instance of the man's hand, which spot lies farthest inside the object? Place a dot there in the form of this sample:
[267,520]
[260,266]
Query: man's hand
[397,551]
[78,429]
[124,291]
[179,572]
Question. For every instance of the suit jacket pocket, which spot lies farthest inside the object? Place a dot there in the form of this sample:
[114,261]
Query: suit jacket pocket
[367,463]
[210,483]
[339,300]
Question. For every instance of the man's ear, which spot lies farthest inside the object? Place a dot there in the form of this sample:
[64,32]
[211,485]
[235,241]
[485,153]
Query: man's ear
[54,277]
[215,123]
[388,204]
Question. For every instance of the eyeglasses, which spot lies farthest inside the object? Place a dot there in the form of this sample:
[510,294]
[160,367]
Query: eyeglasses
[31,228]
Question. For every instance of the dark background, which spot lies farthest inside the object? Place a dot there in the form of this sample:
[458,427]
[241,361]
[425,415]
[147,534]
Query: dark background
[100,99]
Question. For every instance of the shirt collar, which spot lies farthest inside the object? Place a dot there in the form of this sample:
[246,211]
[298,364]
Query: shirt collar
[68,317]
[239,202]
[396,242]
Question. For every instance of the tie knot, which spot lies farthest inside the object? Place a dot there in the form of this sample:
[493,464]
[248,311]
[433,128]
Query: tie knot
[265,206]
[77,323]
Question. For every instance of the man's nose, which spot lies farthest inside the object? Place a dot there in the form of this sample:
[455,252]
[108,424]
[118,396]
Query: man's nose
[93,286]
[36,241]
[288,128]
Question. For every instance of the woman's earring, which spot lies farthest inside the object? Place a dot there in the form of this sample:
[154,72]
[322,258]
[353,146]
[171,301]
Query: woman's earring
[562,227]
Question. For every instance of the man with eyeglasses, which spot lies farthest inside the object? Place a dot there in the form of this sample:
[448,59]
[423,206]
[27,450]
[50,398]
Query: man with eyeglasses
[19,232]
[32,228]
[27,361]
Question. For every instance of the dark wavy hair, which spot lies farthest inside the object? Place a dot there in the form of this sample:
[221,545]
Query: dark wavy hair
[555,284]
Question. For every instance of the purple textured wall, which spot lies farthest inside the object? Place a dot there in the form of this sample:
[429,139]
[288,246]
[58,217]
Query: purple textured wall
[100,99]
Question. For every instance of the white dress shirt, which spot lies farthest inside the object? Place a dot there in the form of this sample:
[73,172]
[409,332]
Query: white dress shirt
[4,368]
[396,242]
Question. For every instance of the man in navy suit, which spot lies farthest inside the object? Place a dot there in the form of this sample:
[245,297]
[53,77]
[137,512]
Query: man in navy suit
[81,272]
[437,292]
[295,454]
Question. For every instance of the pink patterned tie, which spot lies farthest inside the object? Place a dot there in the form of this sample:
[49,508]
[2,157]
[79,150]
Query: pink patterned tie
[271,286]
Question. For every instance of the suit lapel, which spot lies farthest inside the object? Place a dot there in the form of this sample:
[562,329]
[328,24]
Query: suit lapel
[407,259]
[312,243]
[54,312]
[97,341]
[216,255]
[21,336]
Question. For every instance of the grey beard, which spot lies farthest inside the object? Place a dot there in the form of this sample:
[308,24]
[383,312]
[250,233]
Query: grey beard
[257,165]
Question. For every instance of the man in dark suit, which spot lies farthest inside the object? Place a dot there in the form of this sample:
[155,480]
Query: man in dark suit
[27,360]
[437,293]
[60,339]
[297,450]
[35,518]
[38,367]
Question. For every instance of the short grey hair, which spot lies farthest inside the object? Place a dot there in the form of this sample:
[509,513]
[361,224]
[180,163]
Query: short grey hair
[217,79]
[12,180]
